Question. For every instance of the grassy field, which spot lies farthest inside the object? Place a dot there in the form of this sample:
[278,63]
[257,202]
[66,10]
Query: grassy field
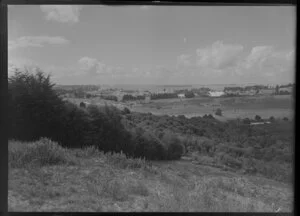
[239,107]
[278,106]
[46,177]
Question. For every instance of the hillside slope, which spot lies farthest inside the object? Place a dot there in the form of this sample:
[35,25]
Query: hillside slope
[88,180]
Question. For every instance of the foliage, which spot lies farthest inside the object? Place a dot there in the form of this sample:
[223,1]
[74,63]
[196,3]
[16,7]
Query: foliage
[258,118]
[163,96]
[37,111]
[219,112]
[43,152]
[285,119]
[126,111]
[109,97]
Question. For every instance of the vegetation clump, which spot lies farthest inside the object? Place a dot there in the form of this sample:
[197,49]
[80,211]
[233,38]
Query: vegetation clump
[219,112]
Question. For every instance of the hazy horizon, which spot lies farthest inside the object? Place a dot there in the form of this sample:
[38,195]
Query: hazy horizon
[154,45]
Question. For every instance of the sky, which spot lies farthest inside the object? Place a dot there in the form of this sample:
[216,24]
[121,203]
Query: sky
[96,44]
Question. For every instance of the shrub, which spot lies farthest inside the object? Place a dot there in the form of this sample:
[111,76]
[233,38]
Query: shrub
[173,145]
[231,161]
[285,119]
[147,145]
[246,121]
[272,119]
[125,111]
[210,116]
[257,118]
[219,112]
[82,104]
[43,152]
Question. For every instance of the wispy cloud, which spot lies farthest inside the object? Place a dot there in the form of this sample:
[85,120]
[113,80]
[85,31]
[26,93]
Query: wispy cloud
[36,41]
[62,13]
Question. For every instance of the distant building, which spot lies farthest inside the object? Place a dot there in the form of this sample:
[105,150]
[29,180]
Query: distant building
[216,93]
[286,89]
[147,98]
[267,91]
[248,92]
[260,123]
[181,96]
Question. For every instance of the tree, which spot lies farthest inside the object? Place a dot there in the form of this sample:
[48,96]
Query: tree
[126,111]
[82,105]
[33,105]
[277,89]
[258,118]
[246,121]
[219,112]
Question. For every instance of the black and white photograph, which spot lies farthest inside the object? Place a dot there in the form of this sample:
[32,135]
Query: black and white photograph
[151,108]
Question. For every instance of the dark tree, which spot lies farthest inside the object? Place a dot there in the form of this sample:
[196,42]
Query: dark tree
[82,105]
[219,112]
[258,118]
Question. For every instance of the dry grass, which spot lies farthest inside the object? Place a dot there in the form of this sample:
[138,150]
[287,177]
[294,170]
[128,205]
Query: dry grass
[40,153]
[100,182]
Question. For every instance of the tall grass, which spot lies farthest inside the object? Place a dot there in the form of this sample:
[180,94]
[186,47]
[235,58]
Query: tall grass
[40,153]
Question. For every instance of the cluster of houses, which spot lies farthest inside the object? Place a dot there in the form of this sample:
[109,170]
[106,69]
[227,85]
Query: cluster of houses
[145,96]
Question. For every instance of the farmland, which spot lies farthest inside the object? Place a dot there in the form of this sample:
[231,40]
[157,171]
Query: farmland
[278,106]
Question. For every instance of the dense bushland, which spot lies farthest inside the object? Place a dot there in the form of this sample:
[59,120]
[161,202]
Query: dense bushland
[37,111]
[265,149]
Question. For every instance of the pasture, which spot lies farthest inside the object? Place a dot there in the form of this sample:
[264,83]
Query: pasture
[233,107]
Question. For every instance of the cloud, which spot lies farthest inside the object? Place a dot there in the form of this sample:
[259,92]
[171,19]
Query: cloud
[87,63]
[266,64]
[94,66]
[258,55]
[36,41]
[62,13]
[267,58]
[184,60]
[219,55]
[231,63]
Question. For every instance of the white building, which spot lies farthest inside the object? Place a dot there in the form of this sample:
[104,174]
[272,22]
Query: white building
[181,96]
[215,93]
